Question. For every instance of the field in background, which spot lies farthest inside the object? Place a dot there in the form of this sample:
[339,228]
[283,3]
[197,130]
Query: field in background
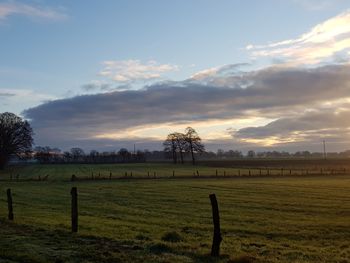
[272,219]
[253,167]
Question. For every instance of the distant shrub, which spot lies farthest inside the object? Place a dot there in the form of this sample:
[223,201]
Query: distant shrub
[142,237]
[172,237]
[242,259]
[160,248]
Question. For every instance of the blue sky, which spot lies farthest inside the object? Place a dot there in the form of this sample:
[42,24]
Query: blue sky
[54,50]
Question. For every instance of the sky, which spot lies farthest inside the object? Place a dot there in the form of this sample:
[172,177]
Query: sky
[261,75]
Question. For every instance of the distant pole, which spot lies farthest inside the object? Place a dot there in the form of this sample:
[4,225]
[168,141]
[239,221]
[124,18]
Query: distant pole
[9,204]
[74,207]
[324,150]
[215,249]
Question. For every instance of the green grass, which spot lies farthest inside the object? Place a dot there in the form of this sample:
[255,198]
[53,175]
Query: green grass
[294,219]
[162,170]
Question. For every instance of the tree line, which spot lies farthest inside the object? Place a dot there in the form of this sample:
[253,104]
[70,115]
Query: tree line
[178,144]
[16,139]
[77,155]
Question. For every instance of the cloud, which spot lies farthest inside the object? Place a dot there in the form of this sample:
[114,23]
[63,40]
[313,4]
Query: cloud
[309,127]
[273,93]
[17,99]
[96,86]
[134,70]
[216,72]
[6,94]
[321,43]
[11,8]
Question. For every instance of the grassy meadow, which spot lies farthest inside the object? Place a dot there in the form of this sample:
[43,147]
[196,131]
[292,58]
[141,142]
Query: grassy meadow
[263,219]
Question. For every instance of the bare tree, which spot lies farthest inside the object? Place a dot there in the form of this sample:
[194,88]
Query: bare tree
[16,137]
[125,154]
[193,143]
[180,144]
[77,154]
[170,146]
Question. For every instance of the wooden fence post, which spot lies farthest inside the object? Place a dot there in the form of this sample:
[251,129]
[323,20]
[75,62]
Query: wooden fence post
[110,175]
[74,194]
[9,204]
[216,172]
[215,249]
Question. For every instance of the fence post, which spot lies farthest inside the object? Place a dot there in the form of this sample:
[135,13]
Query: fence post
[197,173]
[216,172]
[173,173]
[215,249]
[9,204]
[74,194]
[224,173]
[110,175]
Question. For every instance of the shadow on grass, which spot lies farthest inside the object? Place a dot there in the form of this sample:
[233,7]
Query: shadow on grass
[23,243]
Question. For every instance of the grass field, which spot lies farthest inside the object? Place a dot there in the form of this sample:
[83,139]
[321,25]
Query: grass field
[164,170]
[270,219]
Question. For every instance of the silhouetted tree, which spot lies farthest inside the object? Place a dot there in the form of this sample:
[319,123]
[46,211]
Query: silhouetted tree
[124,153]
[94,155]
[170,146]
[77,154]
[251,154]
[47,154]
[16,137]
[193,142]
[180,144]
